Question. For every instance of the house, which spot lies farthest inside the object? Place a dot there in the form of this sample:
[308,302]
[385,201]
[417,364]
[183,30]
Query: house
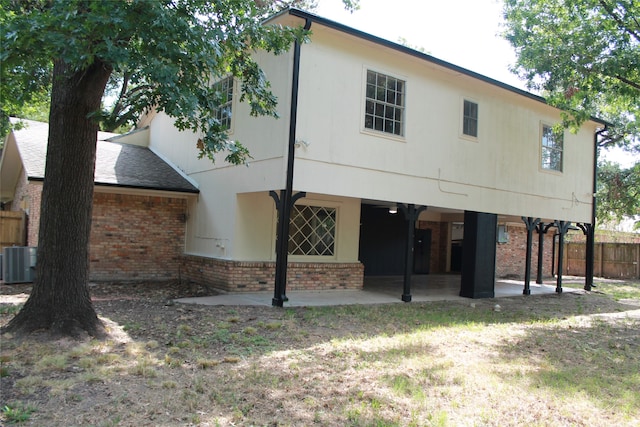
[384,161]
[139,208]
[390,159]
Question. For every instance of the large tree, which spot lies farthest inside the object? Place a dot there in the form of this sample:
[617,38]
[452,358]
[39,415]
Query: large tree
[175,49]
[124,90]
[584,56]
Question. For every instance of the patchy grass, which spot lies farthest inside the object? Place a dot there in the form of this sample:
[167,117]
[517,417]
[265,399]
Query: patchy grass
[570,359]
[619,289]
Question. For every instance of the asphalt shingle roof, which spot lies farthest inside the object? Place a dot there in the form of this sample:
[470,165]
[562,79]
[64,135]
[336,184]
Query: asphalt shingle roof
[117,164]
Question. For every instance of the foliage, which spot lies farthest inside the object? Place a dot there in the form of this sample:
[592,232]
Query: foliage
[584,55]
[17,412]
[170,51]
[618,192]
[122,113]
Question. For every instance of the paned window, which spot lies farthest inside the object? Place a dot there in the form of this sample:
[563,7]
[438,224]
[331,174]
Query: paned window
[224,95]
[470,119]
[552,149]
[384,108]
[312,231]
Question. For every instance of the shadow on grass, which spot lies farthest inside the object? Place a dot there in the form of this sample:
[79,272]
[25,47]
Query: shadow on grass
[305,365]
[596,361]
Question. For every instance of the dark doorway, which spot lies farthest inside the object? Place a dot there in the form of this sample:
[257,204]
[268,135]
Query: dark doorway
[456,256]
[383,239]
[422,251]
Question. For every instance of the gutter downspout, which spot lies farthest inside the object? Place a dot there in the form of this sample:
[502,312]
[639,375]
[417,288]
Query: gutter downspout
[591,231]
[286,196]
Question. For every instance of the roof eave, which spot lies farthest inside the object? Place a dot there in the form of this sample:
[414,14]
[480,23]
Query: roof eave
[420,55]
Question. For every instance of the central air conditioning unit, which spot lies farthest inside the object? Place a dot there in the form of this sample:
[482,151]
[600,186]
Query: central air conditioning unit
[18,264]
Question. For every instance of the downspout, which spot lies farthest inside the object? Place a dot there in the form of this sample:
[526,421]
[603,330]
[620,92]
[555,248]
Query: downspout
[284,213]
[591,235]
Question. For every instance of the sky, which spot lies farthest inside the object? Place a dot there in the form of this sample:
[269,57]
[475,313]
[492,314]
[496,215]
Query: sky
[466,33]
[463,32]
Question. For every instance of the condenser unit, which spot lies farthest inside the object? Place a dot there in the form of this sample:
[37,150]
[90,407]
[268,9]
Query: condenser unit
[18,264]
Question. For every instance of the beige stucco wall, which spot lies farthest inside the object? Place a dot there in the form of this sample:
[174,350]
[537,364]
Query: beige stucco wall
[213,217]
[432,164]
[255,227]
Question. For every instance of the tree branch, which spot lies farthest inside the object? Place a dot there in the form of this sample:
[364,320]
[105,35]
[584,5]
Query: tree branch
[627,81]
[619,20]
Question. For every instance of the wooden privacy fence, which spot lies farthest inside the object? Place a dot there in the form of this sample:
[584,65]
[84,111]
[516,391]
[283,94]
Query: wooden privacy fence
[12,229]
[611,260]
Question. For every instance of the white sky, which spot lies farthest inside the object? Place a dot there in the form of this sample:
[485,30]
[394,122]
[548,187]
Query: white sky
[463,32]
[466,33]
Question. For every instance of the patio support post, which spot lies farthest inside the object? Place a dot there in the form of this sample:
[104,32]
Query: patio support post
[589,231]
[478,277]
[282,244]
[286,199]
[411,214]
[541,229]
[563,227]
[531,225]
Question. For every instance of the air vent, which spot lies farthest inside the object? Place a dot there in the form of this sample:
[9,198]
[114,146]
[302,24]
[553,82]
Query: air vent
[18,264]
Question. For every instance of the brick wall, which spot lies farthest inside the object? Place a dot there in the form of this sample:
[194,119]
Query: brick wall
[510,256]
[259,276]
[136,237]
[27,198]
[133,238]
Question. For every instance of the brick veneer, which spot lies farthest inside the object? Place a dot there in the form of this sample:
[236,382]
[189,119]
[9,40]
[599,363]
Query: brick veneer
[133,237]
[510,256]
[136,237]
[259,276]
[27,197]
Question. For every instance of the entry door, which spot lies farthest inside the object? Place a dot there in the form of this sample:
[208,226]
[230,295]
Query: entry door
[421,251]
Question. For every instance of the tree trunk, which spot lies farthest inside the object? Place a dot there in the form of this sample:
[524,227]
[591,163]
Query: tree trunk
[60,301]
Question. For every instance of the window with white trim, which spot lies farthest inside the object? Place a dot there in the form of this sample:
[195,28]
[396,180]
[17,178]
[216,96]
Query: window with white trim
[384,103]
[470,118]
[224,94]
[552,145]
[312,231]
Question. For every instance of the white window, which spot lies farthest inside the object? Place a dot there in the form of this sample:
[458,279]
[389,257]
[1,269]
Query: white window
[312,231]
[384,103]
[470,118]
[224,95]
[552,149]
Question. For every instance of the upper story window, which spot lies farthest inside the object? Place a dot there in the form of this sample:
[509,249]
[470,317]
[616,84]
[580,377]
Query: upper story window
[470,118]
[312,231]
[552,149]
[224,90]
[384,109]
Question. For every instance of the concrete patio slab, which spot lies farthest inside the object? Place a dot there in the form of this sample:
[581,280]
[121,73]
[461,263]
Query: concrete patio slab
[382,290]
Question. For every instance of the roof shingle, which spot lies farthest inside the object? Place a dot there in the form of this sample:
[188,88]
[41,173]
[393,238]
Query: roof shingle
[117,164]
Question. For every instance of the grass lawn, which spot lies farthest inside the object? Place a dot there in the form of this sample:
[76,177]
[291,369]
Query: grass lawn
[550,360]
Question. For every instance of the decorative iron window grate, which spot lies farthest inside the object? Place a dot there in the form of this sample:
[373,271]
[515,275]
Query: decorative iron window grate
[312,231]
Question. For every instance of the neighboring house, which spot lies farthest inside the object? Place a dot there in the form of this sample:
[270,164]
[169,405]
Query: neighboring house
[374,126]
[139,209]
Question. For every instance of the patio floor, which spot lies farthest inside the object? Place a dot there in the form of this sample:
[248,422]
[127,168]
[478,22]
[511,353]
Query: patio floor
[384,290]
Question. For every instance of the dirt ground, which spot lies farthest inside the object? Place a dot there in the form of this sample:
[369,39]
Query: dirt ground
[172,364]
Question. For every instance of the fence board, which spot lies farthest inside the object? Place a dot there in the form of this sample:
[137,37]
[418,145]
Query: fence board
[12,229]
[611,260]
